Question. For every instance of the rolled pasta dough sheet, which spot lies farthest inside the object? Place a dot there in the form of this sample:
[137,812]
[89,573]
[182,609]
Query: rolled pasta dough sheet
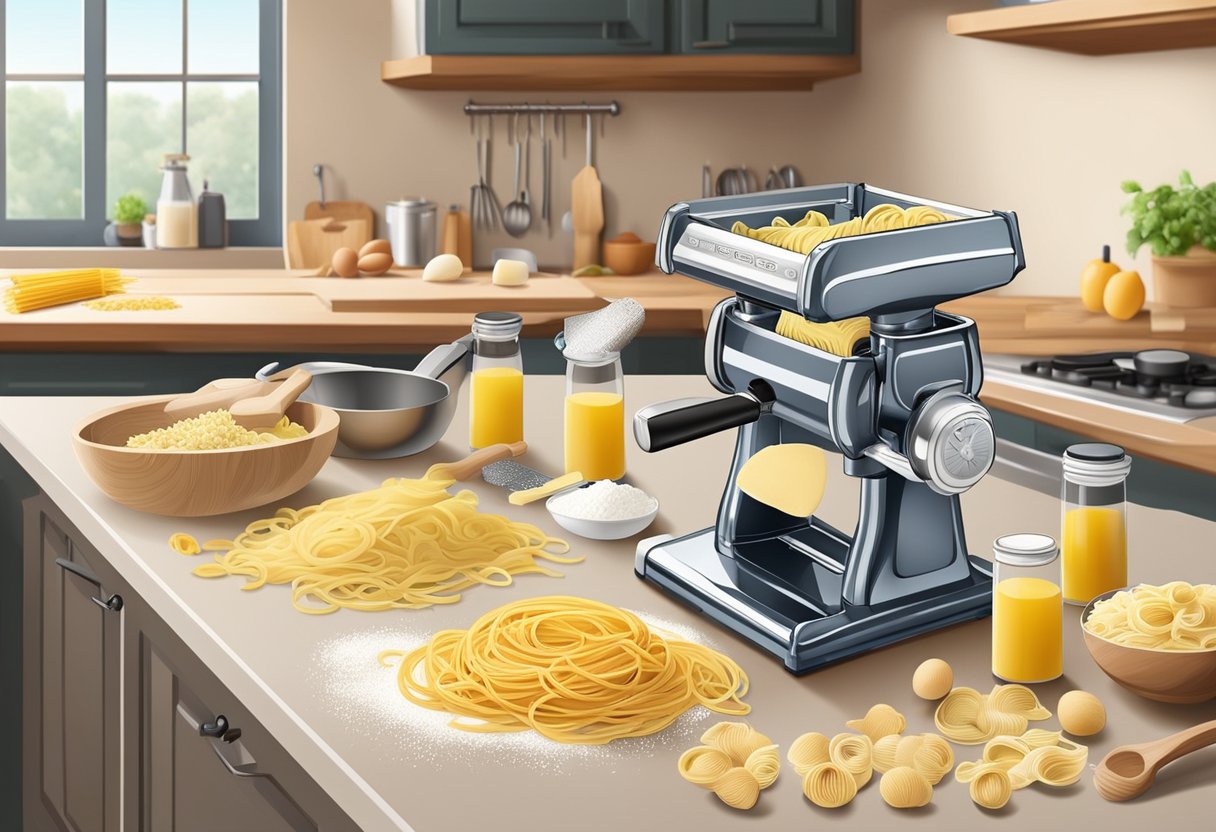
[789,477]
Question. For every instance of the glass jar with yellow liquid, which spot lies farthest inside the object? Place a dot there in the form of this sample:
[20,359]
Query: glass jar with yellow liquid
[1093,540]
[595,416]
[1027,613]
[496,384]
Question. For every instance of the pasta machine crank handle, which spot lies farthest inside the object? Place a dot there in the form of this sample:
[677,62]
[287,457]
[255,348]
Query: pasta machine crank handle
[665,425]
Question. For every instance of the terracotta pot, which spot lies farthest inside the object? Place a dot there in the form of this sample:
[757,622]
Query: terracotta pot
[1185,282]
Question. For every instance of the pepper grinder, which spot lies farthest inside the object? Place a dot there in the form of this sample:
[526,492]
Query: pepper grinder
[212,219]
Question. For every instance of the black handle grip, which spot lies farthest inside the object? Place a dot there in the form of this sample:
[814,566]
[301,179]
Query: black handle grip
[664,426]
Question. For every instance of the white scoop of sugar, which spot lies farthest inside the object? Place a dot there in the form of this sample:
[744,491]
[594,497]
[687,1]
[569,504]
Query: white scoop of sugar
[604,331]
[605,500]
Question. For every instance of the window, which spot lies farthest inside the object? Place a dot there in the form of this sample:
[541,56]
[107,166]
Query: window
[96,92]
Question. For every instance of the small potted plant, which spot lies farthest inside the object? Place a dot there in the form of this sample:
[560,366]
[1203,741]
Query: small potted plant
[1179,223]
[129,212]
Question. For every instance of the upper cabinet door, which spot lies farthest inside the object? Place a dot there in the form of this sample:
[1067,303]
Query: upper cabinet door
[543,27]
[818,27]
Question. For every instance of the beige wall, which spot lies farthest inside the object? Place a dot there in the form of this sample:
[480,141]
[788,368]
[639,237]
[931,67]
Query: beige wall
[1046,134]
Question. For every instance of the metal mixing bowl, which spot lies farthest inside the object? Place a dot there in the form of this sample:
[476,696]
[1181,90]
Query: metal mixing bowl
[386,413]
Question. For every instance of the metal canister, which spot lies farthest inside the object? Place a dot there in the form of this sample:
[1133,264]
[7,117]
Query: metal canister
[411,230]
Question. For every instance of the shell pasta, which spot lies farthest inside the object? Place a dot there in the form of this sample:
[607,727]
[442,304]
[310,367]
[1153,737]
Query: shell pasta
[1173,616]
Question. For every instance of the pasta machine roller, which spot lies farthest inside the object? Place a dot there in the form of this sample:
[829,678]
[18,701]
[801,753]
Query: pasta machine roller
[903,414]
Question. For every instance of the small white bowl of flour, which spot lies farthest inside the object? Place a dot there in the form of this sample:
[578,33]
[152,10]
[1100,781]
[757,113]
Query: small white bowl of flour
[603,510]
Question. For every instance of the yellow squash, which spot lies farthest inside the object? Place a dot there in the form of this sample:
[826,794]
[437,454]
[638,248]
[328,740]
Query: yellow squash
[1123,296]
[1094,278]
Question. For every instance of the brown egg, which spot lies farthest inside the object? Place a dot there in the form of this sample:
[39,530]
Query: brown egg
[1081,713]
[376,263]
[375,247]
[346,262]
[932,679]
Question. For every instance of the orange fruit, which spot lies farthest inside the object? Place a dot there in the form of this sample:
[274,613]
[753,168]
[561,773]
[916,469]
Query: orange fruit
[1123,296]
[1094,278]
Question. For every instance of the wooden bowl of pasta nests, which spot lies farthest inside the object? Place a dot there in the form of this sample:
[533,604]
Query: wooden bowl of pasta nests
[199,483]
[1177,676]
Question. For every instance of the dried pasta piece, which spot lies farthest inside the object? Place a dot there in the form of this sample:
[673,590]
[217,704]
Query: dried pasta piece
[995,723]
[737,788]
[764,764]
[829,786]
[184,544]
[703,765]
[956,716]
[1017,699]
[735,739]
[991,788]
[1010,750]
[879,721]
[1052,765]
[808,751]
[884,752]
[854,753]
[903,787]
[217,545]
[929,754]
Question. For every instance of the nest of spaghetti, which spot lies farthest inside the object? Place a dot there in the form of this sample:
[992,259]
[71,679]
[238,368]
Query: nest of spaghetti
[571,669]
[408,544]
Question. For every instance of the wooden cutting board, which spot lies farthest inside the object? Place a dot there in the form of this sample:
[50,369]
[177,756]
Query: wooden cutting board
[587,215]
[341,210]
[312,243]
[472,293]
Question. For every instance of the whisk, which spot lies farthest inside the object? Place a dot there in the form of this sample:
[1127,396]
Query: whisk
[483,202]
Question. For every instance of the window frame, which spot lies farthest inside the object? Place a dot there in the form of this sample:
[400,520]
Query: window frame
[266,230]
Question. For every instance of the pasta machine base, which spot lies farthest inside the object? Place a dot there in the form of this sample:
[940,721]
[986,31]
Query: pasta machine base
[783,595]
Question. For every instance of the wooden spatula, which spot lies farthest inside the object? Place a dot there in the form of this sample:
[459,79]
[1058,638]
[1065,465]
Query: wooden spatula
[587,210]
[1130,770]
[265,410]
[217,395]
[474,462]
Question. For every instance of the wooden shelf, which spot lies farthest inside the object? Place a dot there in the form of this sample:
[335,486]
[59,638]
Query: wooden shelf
[1095,27]
[617,72]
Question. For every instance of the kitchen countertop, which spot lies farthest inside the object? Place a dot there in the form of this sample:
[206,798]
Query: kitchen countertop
[280,310]
[390,769]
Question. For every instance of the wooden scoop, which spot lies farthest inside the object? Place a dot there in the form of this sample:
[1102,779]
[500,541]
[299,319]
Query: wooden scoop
[252,403]
[219,394]
[267,409]
[1130,770]
[474,462]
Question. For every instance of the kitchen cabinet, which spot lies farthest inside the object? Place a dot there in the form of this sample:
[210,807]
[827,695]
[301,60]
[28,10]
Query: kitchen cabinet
[72,673]
[543,27]
[820,27]
[125,728]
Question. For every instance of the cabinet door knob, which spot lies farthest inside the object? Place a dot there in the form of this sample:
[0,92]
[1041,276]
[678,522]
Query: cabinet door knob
[217,727]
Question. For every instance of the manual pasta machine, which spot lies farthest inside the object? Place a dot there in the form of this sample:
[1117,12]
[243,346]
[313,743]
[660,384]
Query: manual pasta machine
[902,412]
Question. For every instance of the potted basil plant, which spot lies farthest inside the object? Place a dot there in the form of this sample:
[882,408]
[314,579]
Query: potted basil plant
[129,212]
[1179,224]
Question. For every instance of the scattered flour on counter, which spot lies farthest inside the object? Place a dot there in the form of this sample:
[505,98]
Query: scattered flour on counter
[363,693]
[605,500]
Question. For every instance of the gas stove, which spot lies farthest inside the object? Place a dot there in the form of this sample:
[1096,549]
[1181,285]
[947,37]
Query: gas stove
[1168,384]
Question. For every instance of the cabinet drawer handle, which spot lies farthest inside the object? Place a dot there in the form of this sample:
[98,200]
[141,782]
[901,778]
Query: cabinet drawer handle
[238,769]
[710,44]
[111,604]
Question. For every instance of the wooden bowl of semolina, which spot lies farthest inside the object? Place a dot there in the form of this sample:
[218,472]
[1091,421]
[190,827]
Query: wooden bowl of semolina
[199,483]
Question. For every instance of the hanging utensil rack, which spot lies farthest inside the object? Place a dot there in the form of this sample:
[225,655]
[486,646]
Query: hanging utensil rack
[612,108]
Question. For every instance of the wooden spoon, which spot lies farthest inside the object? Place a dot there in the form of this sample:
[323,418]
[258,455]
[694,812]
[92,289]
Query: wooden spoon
[1130,770]
[216,395]
[587,210]
[474,462]
[265,410]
